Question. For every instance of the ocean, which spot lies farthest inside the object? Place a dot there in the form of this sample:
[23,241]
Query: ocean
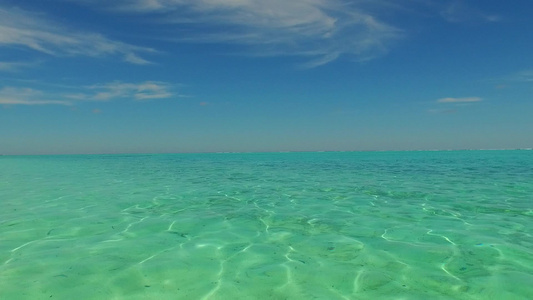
[303,225]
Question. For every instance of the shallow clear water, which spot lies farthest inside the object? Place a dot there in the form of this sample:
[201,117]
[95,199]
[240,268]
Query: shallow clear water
[351,225]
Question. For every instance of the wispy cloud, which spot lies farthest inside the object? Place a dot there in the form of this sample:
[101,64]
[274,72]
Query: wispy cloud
[27,96]
[148,90]
[320,30]
[459,12]
[13,66]
[138,91]
[21,28]
[459,100]
[450,105]
[523,76]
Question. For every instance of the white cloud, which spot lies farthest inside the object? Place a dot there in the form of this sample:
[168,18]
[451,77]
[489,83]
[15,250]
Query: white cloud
[143,91]
[22,28]
[321,30]
[459,12]
[459,100]
[26,96]
[135,59]
[139,91]
[523,76]
[13,66]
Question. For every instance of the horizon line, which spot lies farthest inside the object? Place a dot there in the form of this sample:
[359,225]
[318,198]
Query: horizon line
[259,152]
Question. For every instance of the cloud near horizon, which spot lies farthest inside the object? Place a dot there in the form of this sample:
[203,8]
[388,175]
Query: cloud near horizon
[143,91]
[139,91]
[460,100]
[33,31]
[27,96]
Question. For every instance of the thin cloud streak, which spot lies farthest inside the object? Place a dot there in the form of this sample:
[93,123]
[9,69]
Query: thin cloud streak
[523,76]
[14,66]
[22,28]
[459,12]
[459,100]
[26,96]
[148,90]
[138,91]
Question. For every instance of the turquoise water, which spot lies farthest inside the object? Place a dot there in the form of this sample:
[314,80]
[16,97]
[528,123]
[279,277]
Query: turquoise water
[347,225]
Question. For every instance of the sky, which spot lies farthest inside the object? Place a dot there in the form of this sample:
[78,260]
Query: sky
[170,76]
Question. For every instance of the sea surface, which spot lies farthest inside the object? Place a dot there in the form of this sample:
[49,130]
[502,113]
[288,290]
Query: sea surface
[330,225]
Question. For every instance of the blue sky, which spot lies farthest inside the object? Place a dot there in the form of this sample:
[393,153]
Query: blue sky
[97,76]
